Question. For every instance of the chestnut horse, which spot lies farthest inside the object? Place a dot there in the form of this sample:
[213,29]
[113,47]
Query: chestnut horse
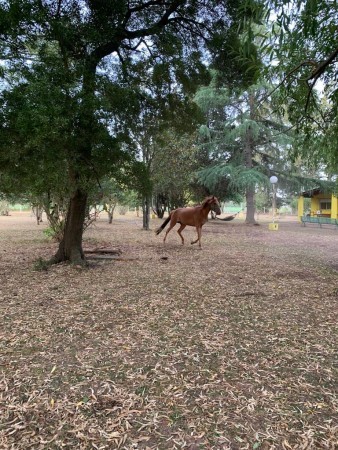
[195,217]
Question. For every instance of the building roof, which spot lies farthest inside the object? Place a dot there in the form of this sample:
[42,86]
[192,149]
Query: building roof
[312,192]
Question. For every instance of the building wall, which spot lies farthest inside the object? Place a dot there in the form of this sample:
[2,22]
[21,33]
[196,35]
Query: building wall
[315,206]
[334,207]
[300,207]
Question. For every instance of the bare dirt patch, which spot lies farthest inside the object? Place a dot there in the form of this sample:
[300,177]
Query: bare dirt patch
[168,347]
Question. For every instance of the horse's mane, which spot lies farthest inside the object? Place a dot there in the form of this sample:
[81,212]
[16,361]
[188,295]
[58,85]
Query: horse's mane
[206,200]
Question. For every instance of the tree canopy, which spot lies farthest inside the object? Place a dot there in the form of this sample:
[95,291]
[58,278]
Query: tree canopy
[76,74]
[303,49]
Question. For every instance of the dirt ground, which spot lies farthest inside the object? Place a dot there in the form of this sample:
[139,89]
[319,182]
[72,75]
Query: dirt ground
[170,347]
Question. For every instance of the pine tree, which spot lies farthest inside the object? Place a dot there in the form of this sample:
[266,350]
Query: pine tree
[245,142]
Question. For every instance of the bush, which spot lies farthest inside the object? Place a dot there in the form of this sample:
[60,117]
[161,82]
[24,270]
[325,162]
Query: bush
[4,209]
[122,209]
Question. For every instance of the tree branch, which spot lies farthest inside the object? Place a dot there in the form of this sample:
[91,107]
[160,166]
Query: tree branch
[141,8]
[304,63]
[112,46]
[320,69]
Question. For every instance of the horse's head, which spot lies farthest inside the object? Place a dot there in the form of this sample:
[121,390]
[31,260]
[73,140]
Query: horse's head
[214,205]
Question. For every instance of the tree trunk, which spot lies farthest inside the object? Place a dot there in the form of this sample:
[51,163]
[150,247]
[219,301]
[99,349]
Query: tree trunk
[250,207]
[248,153]
[38,210]
[160,201]
[146,213]
[70,247]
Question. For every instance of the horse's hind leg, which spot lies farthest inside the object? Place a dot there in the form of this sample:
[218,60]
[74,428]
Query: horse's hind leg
[173,222]
[181,228]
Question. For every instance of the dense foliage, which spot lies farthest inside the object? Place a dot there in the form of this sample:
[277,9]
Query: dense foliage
[303,49]
[92,66]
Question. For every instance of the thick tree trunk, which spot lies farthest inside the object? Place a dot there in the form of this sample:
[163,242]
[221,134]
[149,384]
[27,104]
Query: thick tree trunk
[250,207]
[70,247]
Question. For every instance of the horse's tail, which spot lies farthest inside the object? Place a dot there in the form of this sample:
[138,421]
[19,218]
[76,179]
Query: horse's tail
[164,224]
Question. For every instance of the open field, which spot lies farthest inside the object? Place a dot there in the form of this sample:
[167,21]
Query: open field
[169,347]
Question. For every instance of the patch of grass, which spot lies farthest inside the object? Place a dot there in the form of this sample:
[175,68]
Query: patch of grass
[176,417]
[143,391]
[41,265]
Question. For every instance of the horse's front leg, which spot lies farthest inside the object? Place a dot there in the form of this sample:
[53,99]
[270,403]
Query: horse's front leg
[181,228]
[199,232]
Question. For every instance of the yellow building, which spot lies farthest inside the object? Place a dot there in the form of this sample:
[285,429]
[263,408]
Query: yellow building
[323,204]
